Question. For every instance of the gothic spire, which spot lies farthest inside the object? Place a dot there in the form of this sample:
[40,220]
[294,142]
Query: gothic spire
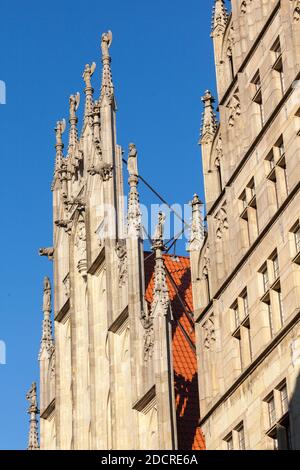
[47,343]
[33,411]
[107,87]
[219,18]
[73,120]
[59,146]
[134,211]
[209,120]
[89,90]
[161,291]
[197,228]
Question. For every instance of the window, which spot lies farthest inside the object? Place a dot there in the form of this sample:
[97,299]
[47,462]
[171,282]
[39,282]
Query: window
[278,418]
[272,293]
[241,437]
[297,239]
[281,149]
[245,304]
[248,211]
[257,83]
[276,171]
[257,96]
[242,332]
[265,277]
[271,161]
[229,442]
[271,410]
[243,198]
[295,232]
[284,399]
[236,438]
[276,267]
[278,63]
[235,309]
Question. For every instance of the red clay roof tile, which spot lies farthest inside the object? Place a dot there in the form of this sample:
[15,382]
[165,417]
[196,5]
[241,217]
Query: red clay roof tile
[184,355]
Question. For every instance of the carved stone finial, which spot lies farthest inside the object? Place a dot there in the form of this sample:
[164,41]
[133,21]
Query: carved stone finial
[219,18]
[159,231]
[197,228]
[33,411]
[47,342]
[132,161]
[96,128]
[89,90]
[73,120]
[106,41]
[49,252]
[161,291]
[59,130]
[209,124]
[31,397]
[107,87]
[88,73]
[47,295]
[134,214]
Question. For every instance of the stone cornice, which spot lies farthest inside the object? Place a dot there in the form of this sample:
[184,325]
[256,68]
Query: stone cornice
[96,264]
[49,410]
[144,404]
[254,364]
[118,325]
[254,245]
[61,315]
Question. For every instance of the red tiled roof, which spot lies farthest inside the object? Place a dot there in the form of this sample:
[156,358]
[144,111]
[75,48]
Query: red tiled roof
[184,355]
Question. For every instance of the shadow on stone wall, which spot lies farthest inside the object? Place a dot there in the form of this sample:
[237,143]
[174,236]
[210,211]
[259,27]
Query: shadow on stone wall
[293,421]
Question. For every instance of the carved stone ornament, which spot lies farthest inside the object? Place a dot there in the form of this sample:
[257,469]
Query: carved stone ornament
[209,333]
[49,252]
[245,6]
[65,224]
[219,148]
[221,222]
[220,18]
[197,226]
[31,397]
[147,322]
[105,170]
[47,295]
[122,262]
[206,257]
[296,11]
[132,161]
[234,107]
[80,243]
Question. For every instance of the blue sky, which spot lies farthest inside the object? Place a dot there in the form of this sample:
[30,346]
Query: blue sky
[162,63]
